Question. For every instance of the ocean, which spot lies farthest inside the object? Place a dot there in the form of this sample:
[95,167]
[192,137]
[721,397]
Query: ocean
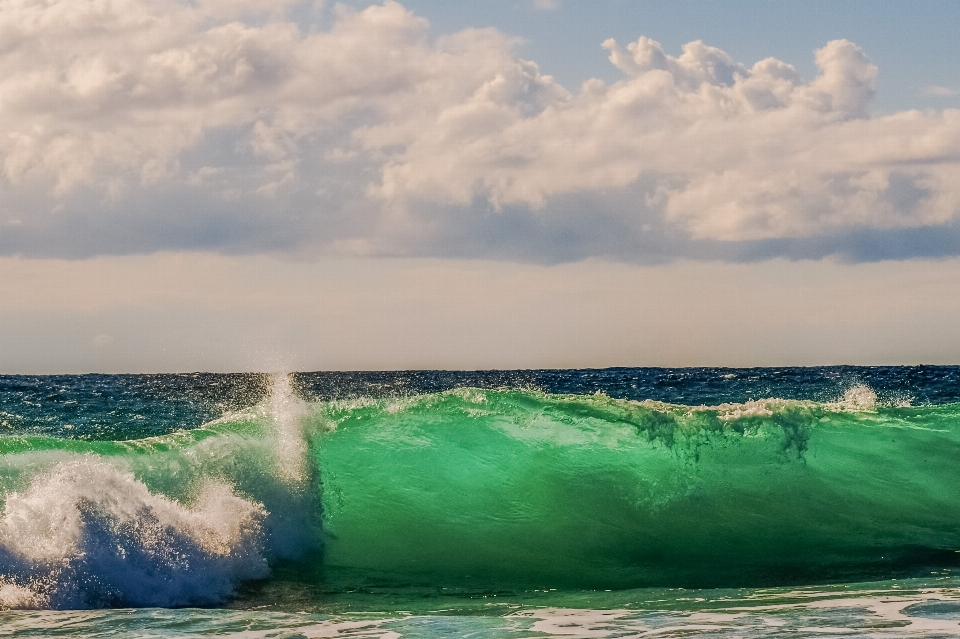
[627,502]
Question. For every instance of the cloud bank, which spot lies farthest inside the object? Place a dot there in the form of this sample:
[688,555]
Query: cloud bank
[134,126]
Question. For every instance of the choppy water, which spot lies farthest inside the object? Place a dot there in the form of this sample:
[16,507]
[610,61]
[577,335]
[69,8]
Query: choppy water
[622,502]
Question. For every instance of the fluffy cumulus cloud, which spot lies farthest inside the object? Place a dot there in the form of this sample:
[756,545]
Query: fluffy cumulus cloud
[140,125]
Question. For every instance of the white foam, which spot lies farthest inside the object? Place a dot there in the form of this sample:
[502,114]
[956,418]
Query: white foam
[859,398]
[880,614]
[751,408]
[87,533]
[17,597]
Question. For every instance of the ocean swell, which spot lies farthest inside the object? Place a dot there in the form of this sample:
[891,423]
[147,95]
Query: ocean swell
[480,488]
[503,487]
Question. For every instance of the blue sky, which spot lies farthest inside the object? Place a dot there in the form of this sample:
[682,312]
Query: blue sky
[628,141]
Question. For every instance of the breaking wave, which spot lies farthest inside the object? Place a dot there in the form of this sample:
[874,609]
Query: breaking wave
[482,487]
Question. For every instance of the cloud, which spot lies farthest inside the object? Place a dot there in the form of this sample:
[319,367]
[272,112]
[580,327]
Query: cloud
[142,125]
[941,92]
[546,5]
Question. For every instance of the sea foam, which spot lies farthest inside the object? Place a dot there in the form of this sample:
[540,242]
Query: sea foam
[87,533]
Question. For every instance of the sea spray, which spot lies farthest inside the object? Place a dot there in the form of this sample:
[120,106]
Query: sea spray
[285,411]
[293,493]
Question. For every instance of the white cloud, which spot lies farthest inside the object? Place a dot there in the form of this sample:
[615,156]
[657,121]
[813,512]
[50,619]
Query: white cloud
[942,92]
[546,5]
[369,136]
[744,153]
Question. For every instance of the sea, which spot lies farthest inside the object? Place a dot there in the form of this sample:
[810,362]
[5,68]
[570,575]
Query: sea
[622,502]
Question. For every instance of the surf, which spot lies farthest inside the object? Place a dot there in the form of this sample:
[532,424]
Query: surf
[473,488]
[173,520]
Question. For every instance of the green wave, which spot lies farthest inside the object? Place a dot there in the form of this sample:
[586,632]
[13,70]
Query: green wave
[489,488]
[515,486]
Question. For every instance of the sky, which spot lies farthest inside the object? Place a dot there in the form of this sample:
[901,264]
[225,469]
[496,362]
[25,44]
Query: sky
[254,185]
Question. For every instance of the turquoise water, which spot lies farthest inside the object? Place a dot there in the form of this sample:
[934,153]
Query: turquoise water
[481,510]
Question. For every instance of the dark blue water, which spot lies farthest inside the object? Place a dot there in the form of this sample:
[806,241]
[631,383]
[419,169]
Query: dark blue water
[113,407]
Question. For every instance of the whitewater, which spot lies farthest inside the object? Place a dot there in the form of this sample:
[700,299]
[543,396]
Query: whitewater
[619,502]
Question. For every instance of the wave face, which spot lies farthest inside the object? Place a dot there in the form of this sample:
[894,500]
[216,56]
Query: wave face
[589,491]
[478,488]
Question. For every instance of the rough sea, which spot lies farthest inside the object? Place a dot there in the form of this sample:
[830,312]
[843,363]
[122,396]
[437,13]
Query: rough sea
[773,502]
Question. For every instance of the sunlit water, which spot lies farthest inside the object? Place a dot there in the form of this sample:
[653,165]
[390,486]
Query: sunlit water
[618,503]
